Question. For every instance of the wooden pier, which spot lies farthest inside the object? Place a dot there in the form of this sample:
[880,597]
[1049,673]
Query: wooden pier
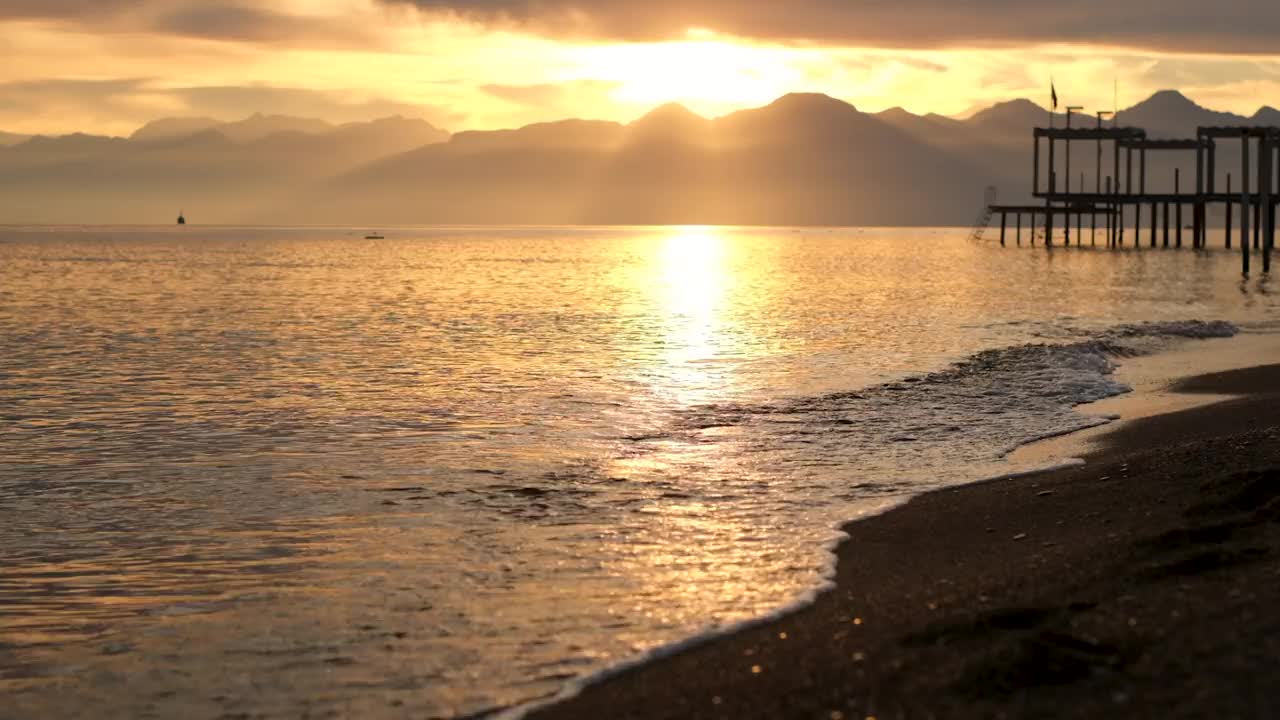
[1120,197]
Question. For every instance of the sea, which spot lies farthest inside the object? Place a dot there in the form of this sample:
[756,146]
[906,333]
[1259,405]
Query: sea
[294,472]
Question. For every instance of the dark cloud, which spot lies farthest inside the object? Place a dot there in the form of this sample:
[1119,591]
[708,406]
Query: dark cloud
[232,20]
[59,9]
[1226,26]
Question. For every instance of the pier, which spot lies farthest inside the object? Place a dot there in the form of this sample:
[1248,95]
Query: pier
[1119,198]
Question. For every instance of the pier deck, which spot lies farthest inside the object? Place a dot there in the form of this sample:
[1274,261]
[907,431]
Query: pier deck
[1124,192]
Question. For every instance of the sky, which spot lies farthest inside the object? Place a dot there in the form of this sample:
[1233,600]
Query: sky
[109,66]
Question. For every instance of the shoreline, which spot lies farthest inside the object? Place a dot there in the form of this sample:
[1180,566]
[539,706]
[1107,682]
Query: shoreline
[1006,588]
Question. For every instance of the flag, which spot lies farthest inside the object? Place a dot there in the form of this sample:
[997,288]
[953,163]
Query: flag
[1053,93]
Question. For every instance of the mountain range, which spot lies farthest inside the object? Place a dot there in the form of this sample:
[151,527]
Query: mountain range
[805,159]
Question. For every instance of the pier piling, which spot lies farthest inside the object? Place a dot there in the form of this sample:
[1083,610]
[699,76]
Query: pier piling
[1244,201]
[1126,190]
[1229,212]
[1177,204]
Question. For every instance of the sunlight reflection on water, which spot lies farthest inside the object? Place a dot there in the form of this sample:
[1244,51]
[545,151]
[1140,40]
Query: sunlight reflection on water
[277,470]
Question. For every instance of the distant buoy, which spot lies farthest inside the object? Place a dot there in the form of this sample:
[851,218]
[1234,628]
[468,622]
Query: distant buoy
[182,220]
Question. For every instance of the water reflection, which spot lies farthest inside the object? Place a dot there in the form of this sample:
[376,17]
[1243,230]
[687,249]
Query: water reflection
[693,281]
[452,469]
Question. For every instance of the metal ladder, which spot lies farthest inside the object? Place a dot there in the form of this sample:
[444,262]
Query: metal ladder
[984,217]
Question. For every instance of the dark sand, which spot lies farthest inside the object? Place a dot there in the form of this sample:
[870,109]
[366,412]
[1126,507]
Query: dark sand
[1144,584]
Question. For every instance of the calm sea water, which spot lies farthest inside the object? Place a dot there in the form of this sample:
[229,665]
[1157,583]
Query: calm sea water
[291,471]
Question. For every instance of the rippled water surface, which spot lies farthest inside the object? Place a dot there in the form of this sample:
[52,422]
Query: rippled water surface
[290,471]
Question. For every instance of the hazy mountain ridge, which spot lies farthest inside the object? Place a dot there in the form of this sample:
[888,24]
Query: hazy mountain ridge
[802,159]
[8,138]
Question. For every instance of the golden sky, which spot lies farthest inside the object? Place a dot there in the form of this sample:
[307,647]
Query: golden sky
[108,66]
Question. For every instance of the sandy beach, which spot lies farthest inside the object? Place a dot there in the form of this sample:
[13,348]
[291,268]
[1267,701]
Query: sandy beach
[1144,583]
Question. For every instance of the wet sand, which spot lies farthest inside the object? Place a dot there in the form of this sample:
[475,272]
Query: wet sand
[1145,583]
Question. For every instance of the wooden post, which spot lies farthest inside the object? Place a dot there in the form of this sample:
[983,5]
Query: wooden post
[1003,224]
[1264,197]
[1177,179]
[1166,224]
[1229,211]
[1212,149]
[1244,201]
[1115,160]
[1137,224]
[1154,222]
[1128,169]
[1196,224]
[1019,229]
[1257,223]
[1048,201]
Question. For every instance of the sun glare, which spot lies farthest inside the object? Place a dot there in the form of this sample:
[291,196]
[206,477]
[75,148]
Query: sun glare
[708,76]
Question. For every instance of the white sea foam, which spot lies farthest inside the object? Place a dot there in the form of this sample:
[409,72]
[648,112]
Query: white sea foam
[807,599]
[1085,367]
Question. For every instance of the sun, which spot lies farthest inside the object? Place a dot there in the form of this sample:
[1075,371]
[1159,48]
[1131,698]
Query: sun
[708,76]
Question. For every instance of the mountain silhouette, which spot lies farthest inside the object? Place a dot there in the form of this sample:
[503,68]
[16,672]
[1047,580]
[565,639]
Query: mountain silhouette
[567,134]
[1170,114]
[802,159]
[7,139]
[227,171]
[670,122]
[173,128]
[1266,115]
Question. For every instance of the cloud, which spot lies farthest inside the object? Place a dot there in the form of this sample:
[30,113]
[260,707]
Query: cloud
[229,20]
[57,9]
[1227,26]
[551,94]
[233,102]
[239,23]
[90,102]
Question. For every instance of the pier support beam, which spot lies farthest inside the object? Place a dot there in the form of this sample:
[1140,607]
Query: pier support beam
[1019,232]
[1177,182]
[1003,224]
[1244,202]
[1197,211]
[1257,223]
[1166,224]
[1048,204]
[1264,198]
[1229,212]
[1154,222]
